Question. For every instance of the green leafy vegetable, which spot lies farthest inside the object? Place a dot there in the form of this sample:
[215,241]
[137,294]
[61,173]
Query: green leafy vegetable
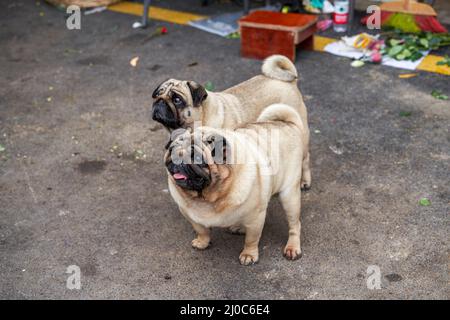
[439,95]
[444,62]
[394,42]
[407,46]
[407,53]
[234,35]
[424,202]
[395,50]
[424,42]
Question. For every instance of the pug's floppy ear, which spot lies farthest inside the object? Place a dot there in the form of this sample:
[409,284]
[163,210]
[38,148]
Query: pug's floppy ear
[155,92]
[198,93]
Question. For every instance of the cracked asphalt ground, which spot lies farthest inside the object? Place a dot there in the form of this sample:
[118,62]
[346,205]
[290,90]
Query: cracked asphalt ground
[82,180]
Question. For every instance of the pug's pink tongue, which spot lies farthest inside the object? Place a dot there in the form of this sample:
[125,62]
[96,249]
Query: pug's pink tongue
[179,176]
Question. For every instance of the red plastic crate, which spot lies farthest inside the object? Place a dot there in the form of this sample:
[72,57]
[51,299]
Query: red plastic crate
[264,33]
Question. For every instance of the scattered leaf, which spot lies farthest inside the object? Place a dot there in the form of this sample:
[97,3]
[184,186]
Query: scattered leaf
[337,150]
[2,148]
[444,62]
[234,35]
[137,25]
[357,64]
[405,113]
[424,202]
[134,61]
[439,95]
[209,86]
[407,75]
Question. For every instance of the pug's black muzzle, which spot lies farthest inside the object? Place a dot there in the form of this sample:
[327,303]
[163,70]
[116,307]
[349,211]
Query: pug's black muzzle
[197,179]
[163,114]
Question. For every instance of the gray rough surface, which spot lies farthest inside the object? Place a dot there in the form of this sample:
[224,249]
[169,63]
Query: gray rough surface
[67,199]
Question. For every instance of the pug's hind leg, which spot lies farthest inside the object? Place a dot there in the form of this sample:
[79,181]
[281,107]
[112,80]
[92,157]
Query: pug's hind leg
[237,229]
[290,200]
[250,253]
[202,241]
[306,174]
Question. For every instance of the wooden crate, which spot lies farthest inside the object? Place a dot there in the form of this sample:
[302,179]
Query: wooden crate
[264,33]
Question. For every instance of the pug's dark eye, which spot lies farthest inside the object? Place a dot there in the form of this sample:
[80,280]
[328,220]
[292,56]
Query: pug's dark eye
[177,100]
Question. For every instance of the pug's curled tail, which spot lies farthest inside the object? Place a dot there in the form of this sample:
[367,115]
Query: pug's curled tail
[281,112]
[279,67]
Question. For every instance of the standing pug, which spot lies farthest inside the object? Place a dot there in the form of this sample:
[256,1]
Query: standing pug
[220,178]
[185,104]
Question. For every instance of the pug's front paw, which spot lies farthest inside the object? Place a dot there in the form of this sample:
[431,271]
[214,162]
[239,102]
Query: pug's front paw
[248,258]
[292,252]
[200,243]
[305,185]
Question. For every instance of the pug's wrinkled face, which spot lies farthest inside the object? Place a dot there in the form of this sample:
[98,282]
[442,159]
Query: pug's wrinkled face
[191,158]
[177,104]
